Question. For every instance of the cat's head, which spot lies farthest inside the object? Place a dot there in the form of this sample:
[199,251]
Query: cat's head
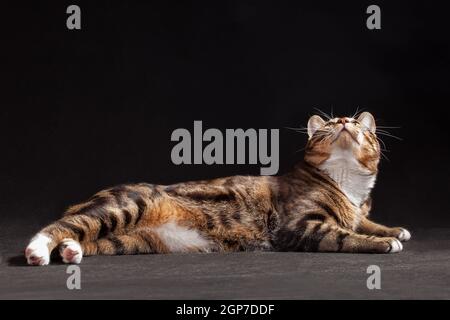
[343,139]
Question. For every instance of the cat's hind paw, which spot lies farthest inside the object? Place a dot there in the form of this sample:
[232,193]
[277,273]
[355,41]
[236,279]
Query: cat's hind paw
[37,253]
[70,251]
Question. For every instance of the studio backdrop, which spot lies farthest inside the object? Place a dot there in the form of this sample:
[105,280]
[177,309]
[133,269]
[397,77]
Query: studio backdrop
[87,108]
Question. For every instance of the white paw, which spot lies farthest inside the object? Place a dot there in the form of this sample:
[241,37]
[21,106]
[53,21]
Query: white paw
[404,235]
[70,251]
[395,246]
[37,253]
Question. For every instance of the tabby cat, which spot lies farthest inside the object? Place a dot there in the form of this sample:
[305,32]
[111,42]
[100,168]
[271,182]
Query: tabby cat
[321,205]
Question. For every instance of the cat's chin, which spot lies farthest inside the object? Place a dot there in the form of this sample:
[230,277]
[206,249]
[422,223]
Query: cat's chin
[346,143]
[345,140]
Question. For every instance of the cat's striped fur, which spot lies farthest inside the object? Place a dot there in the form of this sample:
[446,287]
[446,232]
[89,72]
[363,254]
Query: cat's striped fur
[322,205]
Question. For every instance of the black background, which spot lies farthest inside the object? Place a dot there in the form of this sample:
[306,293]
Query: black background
[83,110]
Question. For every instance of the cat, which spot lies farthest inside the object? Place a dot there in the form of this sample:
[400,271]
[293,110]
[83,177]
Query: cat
[321,205]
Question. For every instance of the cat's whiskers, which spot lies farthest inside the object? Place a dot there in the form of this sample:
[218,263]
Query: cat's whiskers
[383,149]
[329,117]
[385,133]
[385,127]
[357,112]
[382,142]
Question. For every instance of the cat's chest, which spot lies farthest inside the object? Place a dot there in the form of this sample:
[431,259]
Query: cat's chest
[355,181]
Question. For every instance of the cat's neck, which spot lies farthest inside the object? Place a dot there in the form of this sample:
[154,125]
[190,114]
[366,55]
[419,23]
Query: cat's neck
[353,179]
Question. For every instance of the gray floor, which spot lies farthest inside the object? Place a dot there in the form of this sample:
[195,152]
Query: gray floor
[421,271]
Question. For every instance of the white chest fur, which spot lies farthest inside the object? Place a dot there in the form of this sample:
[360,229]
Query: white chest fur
[354,180]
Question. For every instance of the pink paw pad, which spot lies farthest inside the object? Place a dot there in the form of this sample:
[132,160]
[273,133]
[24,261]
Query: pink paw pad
[71,252]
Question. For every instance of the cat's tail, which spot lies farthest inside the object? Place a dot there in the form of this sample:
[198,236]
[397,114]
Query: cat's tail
[108,213]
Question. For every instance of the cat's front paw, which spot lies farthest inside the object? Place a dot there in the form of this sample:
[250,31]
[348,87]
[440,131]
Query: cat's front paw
[404,235]
[71,251]
[394,245]
[37,253]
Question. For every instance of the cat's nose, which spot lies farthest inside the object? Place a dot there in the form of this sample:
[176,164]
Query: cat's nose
[344,120]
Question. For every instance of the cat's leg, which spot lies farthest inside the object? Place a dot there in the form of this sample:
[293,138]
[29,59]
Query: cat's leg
[142,240]
[371,228]
[326,237]
[139,241]
[67,232]
[111,211]
[166,238]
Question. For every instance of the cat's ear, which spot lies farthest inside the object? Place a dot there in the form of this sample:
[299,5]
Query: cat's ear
[314,124]
[367,120]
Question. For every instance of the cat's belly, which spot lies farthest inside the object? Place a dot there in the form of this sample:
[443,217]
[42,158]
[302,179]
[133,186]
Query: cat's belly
[178,238]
